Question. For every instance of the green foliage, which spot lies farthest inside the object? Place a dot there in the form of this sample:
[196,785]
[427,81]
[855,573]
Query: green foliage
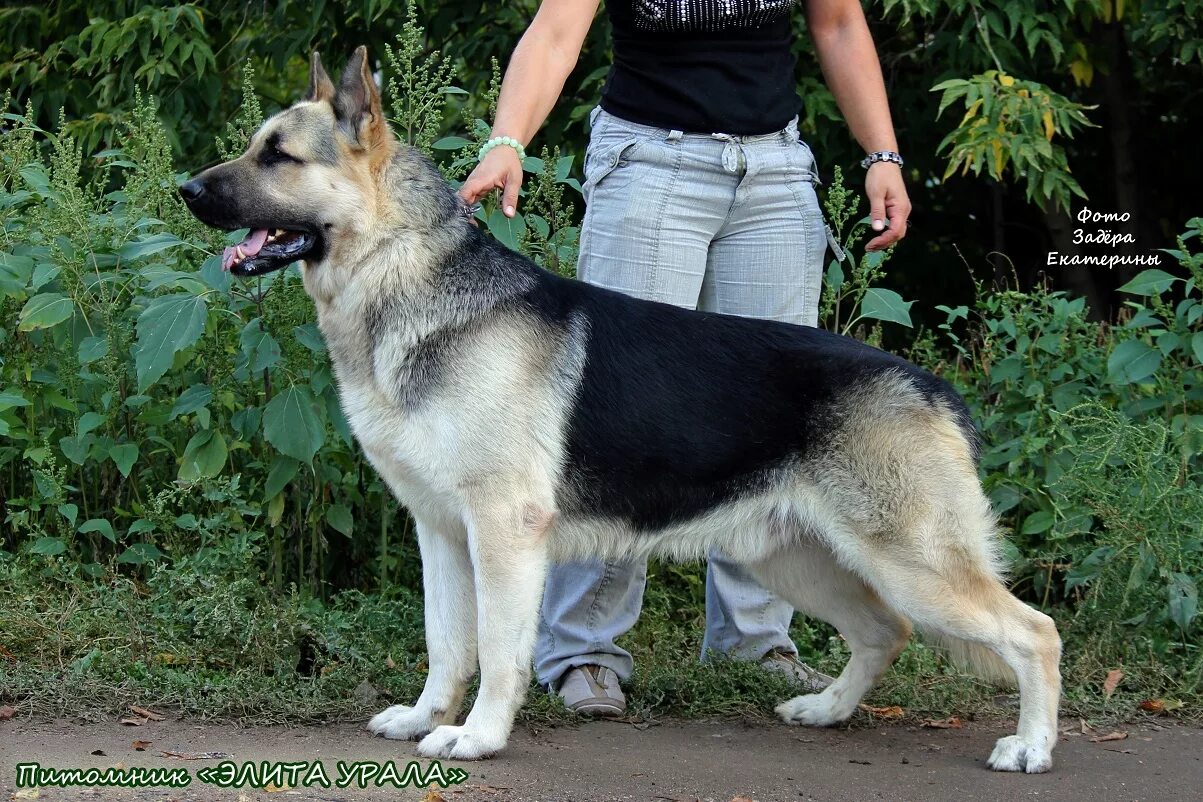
[246,122]
[549,234]
[1144,558]
[1013,122]
[419,84]
[1093,435]
[847,300]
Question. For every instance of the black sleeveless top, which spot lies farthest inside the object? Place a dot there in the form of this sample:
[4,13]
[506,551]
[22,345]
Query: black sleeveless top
[703,66]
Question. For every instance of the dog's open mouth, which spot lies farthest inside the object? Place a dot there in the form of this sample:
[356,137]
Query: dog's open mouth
[266,250]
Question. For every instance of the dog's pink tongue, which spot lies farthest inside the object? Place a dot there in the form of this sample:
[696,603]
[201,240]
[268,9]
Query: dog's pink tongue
[250,246]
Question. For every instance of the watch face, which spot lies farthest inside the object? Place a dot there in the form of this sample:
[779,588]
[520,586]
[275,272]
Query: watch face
[707,15]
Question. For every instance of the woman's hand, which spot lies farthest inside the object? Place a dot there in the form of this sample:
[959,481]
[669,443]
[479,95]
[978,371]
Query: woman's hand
[887,202]
[499,169]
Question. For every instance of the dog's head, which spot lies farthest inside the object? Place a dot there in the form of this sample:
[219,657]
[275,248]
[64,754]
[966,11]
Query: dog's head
[309,176]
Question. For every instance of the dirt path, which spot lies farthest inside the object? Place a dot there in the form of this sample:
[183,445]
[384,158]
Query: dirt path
[612,761]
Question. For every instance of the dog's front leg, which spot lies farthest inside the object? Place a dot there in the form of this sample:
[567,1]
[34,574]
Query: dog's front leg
[509,553]
[450,638]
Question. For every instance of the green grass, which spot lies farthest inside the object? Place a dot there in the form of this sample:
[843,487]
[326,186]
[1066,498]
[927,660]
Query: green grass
[215,642]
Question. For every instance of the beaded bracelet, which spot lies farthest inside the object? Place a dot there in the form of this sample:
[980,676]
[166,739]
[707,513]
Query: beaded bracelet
[501,140]
[881,156]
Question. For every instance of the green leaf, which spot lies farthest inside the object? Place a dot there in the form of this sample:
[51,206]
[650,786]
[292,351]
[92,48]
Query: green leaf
[75,448]
[43,274]
[124,455]
[211,273]
[258,347]
[290,424]
[49,546]
[835,276]
[140,553]
[310,336]
[192,399]
[99,525]
[15,272]
[887,305]
[1037,522]
[1086,571]
[69,511]
[452,143]
[507,230]
[204,456]
[45,310]
[339,517]
[149,245]
[10,399]
[139,526]
[1149,282]
[1132,361]
[169,324]
[959,313]
[1196,344]
[81,665]
[1183,600]
[92,348]
[282,471]
[89,422]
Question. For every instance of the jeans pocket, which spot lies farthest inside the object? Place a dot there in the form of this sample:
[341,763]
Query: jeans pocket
[603,158]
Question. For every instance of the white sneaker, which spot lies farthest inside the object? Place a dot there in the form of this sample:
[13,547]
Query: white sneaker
[593,691]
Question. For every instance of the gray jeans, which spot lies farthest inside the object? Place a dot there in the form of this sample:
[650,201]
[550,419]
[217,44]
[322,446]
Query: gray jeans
[716,222]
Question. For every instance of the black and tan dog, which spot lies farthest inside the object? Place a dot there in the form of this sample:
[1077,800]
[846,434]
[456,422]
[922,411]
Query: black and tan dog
[522,417]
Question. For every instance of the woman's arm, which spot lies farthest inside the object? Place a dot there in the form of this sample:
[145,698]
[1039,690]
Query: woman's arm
[533,81]
[849,63]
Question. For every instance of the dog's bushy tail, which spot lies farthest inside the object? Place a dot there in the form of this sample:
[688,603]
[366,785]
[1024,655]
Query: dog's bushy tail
[975,658]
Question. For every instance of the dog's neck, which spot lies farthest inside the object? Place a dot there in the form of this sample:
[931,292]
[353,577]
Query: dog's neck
[414,270]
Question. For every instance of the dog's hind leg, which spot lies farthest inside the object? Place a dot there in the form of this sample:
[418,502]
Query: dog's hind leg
[509,553]
[969,607]
[810,579]
[450,613]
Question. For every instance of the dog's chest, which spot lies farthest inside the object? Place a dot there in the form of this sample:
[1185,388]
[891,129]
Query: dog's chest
[403,447]
[401,443]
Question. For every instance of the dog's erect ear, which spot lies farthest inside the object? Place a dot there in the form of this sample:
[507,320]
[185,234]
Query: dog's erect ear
[357,104]
[320,85]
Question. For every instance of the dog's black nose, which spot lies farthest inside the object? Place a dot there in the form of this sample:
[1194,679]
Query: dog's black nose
[191,190]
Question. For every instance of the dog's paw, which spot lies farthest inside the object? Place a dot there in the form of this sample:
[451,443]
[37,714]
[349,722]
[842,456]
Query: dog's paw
[460,743]
[813,710]
[1015,753]
[402,723]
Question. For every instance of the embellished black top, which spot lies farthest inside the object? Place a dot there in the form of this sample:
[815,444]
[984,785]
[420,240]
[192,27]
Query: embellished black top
[703,66]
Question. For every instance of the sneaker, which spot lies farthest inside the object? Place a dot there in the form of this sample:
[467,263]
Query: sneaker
[788,664]
[593,691]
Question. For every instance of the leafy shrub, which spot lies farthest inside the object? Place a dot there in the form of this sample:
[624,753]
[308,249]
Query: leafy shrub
[150,404]
[1093,434]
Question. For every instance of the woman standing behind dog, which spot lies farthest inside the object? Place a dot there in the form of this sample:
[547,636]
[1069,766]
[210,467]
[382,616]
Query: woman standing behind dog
[699,193]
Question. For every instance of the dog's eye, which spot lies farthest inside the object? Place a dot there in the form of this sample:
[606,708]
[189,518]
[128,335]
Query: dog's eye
[272,154]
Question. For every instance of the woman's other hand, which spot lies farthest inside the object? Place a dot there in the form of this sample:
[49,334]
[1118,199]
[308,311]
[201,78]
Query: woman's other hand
[887,202]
